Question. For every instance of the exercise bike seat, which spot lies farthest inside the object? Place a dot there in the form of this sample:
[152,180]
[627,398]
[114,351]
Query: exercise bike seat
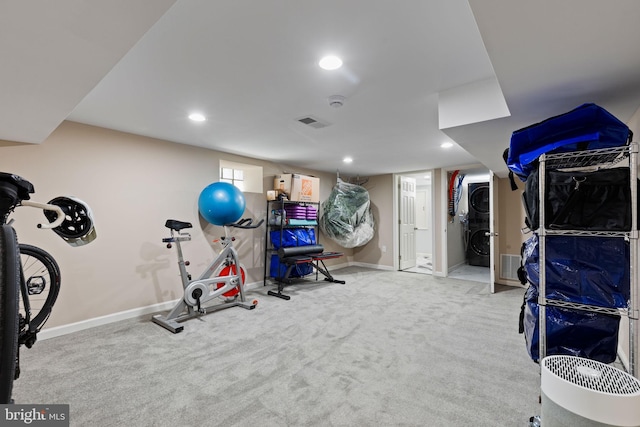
[176,225]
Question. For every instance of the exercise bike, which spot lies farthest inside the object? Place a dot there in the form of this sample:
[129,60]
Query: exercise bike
[223,279]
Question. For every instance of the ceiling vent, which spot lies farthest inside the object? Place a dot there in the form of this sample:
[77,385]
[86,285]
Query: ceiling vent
[313,122]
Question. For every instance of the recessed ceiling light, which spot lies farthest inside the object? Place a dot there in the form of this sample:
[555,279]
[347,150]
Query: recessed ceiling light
[347,160]
[330,63]
[446,145]
[197,117]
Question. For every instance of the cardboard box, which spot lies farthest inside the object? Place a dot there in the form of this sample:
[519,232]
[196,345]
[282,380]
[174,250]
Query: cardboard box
[305,188]
[282,183]
[298,188]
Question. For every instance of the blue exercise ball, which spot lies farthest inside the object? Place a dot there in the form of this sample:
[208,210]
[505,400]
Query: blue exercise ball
[221,203]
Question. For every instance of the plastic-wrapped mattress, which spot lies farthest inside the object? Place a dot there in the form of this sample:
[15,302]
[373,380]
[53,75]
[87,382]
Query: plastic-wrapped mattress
[346,216]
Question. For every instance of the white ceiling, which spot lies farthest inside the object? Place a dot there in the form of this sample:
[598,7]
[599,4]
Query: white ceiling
[480,68]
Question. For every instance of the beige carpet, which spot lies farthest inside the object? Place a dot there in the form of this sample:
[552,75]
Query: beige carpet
[386,349]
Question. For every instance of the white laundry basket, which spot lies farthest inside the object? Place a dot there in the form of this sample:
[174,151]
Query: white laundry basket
[585,393]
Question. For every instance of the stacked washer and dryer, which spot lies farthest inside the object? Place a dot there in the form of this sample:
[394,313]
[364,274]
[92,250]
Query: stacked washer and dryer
[478,248]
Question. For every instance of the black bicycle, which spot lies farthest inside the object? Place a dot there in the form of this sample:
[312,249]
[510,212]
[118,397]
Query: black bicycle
[29,276]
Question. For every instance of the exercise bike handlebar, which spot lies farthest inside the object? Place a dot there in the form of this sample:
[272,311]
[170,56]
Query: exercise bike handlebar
[246,223]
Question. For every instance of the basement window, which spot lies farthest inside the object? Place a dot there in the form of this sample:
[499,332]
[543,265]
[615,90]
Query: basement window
[248,178]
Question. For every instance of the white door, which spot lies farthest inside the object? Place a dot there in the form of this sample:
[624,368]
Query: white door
[494,251]
[407,222]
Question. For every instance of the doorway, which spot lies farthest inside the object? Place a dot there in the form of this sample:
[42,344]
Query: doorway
[418,258]
[442,244]
[468,230]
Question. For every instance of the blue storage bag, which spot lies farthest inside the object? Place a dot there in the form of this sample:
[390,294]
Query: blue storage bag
[293,237]
[570,332]
[278,269]
[585,270]
[583,128]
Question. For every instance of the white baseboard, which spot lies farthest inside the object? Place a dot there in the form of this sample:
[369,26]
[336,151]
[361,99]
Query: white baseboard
[374,266]
[57,331]
[507,282]
[140,312]
[338,266]
[460,264]
[254,285]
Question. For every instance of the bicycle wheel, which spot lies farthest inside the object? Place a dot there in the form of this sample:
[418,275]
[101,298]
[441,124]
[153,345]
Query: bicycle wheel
[42,284]
[9,286]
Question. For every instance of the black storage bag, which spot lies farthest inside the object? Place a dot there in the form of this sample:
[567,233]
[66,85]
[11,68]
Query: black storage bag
[593,201]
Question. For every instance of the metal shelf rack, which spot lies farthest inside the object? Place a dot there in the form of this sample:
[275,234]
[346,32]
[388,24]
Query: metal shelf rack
[592,160]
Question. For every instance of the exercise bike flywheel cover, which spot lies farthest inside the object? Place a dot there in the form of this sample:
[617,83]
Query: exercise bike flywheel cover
[191,297]
[227,271]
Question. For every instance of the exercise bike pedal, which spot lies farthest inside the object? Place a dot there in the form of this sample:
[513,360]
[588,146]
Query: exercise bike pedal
[249,305]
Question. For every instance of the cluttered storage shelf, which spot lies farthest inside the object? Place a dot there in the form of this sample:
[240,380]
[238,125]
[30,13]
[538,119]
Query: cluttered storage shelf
[292,248]
[582,207]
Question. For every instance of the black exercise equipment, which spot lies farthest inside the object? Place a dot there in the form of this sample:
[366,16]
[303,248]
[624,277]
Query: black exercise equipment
[292,251]
[313,255]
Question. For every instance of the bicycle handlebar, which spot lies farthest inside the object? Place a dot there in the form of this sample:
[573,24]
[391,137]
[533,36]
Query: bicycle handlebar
[45,206]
